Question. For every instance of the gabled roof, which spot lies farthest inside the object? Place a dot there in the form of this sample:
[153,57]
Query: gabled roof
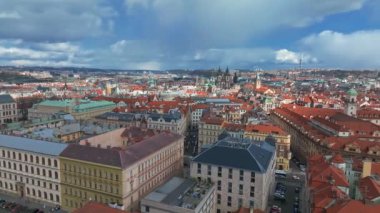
[240,155]
[369,187]
[31,145]
[6,99]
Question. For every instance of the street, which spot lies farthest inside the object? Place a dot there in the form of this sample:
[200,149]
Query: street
[287,206]
[191,142]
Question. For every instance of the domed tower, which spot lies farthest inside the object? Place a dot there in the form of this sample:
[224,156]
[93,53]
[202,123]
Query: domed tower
[351,105]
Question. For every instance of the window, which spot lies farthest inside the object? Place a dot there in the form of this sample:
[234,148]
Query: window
[240,202]
[252,193]
[199,168]
[146,208]
[208,169]
[218,198]
[229,187]
[229,173]
[219,171]
[240,189]
[241,177]
[229,201]
[219,185]
[251,203]
[252,177]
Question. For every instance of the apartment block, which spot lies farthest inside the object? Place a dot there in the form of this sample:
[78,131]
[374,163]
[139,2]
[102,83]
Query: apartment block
[119,176]
[8,109]
[242,171]
[30,168]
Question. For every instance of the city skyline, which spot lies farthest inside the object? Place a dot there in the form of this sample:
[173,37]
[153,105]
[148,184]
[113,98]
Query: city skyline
[158,34]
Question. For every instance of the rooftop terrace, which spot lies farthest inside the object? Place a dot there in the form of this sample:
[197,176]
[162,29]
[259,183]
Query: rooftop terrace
[185,193]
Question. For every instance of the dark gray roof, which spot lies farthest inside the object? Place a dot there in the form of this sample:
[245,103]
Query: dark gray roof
[168,117]
[246,154]
[31,145]
[127,117]
[119,157]
[6,99]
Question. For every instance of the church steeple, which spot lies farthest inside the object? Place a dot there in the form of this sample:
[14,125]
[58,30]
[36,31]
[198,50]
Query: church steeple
[351,105]
[258,81]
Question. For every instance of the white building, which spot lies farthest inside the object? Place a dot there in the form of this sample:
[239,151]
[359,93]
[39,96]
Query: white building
[242,171]
[173,121]
[30,168]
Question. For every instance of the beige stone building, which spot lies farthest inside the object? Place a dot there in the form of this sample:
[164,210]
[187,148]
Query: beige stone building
[30,169]
[119,175]
[8,109]
[261,132]
[242,178]
[209,129]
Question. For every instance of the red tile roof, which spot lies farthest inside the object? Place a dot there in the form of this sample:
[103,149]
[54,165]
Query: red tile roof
[369,187]
[265,129]
[337,159]
[93,207]
[353,206]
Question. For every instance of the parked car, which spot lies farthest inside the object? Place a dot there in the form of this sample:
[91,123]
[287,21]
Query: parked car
[295,177]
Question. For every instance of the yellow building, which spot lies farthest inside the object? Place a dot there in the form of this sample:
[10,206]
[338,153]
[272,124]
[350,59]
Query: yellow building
[84,181]
[261,131]
[116,175]
[209,129]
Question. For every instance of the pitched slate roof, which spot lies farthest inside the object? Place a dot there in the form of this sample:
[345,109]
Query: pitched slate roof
[118,157]
[247,155]
[31,145]
[6,99]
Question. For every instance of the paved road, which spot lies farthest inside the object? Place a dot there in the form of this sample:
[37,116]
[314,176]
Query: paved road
[191,142]
[291,184]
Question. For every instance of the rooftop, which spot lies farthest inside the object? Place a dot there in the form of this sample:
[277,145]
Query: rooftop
[27,144]
[6,98]
[247,154]
[185,193]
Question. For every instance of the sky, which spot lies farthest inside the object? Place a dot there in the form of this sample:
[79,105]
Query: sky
[191,34]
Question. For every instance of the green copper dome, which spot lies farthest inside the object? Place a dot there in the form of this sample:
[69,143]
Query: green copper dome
[352,92]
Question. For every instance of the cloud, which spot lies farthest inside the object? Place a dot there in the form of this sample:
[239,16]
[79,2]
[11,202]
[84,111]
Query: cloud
[17,52]
[286,56]
[10,15]
[353,50]
[206,24]
[59,20]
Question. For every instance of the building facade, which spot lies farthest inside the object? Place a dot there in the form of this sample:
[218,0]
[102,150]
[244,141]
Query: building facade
[208,131]
[242,179]
[282,139]
[79,109]
[122,176]
[8,109]
[30,169]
